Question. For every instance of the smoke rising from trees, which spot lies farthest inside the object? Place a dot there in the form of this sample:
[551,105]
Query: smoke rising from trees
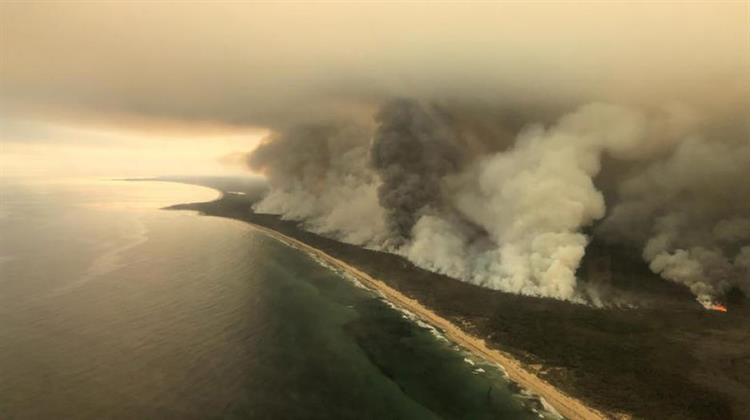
[411,152]
[517,215]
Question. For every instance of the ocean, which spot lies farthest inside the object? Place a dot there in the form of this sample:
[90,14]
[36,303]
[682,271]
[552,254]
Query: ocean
[113,308]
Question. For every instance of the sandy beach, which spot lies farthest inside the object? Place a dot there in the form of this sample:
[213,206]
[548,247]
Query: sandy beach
[564,404]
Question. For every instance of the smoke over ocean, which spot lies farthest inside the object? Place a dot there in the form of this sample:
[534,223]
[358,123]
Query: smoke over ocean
[512,205]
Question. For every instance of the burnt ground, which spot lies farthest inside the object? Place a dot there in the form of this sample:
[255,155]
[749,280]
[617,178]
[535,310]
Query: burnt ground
[668,358]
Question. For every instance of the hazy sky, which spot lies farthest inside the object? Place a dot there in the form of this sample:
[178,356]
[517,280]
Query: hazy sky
[154,88]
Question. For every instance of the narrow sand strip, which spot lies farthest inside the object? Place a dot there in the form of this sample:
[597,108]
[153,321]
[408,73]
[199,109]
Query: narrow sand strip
[564,404]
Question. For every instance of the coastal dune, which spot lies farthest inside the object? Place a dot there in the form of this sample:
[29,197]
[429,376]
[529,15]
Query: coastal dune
[563,403]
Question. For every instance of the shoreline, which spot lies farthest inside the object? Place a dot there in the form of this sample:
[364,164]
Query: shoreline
[564,404]
[551,348]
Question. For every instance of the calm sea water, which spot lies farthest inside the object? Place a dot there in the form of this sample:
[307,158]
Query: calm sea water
[112,308]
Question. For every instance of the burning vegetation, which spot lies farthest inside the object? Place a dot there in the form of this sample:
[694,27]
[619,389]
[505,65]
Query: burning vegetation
[512,205]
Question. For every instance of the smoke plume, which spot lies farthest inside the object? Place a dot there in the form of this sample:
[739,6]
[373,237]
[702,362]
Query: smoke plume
[532,202]
[513,213]
[319,175]
[411,151]
[691,214]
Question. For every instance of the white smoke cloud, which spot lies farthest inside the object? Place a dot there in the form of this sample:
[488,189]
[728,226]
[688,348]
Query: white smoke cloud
[319,176]
[439,246]
[533,201]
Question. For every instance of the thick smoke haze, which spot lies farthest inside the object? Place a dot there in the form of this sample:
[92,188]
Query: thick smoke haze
[276,65]
[319,175]
[515,217]
[691,213]
[490,142]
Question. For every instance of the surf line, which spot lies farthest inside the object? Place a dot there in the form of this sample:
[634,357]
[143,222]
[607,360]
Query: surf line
[566,405]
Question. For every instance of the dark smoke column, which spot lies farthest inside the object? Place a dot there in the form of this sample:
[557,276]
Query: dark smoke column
[412,150]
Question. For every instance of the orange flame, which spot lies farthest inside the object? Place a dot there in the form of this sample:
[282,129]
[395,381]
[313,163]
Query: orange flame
[711,304]
[717,307]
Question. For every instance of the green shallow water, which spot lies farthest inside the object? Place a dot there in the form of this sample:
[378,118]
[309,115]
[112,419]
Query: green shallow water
[111,308]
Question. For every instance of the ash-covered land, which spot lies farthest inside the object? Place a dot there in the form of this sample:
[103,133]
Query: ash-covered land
[657,354]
